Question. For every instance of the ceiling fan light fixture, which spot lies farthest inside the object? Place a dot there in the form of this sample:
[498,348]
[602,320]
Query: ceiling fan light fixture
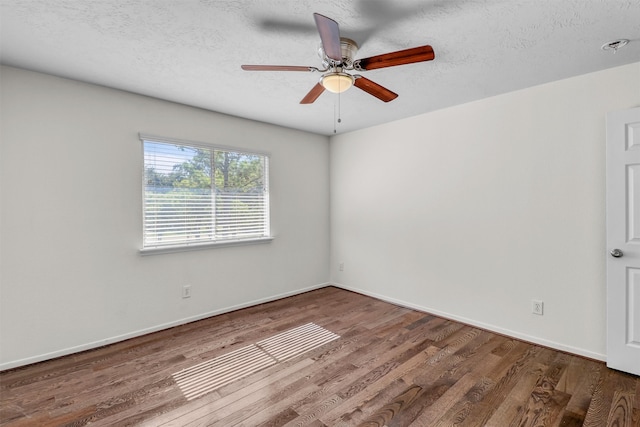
[337,82]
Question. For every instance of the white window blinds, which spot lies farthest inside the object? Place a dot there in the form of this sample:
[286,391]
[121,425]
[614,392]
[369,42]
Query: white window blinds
[199,194]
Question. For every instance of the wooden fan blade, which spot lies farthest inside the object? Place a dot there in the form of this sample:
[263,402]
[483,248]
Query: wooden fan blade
[330,36]
[313,94]
[276,68]
[372,88]
[407,56]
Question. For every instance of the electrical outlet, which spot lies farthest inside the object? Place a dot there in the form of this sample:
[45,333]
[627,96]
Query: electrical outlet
[537,307]
[341,266]
[186,291]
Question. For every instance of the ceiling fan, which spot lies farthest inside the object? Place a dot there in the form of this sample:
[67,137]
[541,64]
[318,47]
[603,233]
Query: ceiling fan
[337,54]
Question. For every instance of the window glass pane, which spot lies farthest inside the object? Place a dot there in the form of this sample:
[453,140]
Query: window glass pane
[195,195]
[239,171]
[239,195]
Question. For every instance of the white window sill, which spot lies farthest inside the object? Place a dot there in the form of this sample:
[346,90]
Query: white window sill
[200,246]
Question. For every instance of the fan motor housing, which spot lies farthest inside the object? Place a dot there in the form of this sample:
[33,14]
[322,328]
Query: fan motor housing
[348,47]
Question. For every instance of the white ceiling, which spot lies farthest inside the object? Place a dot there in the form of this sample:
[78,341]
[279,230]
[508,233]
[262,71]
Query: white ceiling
[190,51]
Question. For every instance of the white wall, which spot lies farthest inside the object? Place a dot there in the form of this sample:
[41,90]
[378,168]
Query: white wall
[472,211]
[71,275]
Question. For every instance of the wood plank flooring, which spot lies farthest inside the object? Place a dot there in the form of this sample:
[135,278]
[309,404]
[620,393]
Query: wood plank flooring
[391,366]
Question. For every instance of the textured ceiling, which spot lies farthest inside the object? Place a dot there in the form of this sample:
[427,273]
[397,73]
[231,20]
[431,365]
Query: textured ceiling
[190,51]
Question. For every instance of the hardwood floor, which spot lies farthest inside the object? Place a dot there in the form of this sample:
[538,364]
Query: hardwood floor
[391,366]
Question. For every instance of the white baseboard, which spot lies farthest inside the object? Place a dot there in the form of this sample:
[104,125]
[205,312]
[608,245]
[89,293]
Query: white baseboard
[133,334]
[486,326]
[489,327]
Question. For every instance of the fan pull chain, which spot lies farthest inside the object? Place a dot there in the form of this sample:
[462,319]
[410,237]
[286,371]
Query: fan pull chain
[334,118]
[338,119]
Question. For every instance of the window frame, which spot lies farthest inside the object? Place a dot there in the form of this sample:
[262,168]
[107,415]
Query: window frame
[181,247]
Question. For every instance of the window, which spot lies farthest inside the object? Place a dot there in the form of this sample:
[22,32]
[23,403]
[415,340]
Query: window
[196,195]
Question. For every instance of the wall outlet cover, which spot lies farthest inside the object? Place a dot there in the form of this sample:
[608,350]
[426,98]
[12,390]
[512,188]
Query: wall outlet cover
[537,307]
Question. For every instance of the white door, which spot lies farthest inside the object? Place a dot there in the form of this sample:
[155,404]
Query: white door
[623,240]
